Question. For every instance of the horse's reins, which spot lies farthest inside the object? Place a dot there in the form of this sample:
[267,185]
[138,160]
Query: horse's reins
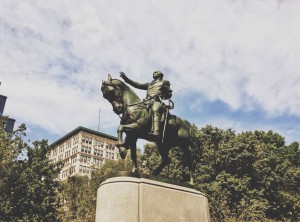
[134,104]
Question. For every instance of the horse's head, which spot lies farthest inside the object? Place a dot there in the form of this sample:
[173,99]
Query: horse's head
[113,93]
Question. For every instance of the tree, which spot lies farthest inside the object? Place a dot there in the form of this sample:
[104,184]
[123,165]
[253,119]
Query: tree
[251,176]
[79,193]
[28,186]
[175,170]
[78,199]
[110,167]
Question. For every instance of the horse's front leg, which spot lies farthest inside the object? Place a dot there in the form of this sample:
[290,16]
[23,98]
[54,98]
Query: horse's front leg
[131,141]
[123,147]
[120,134]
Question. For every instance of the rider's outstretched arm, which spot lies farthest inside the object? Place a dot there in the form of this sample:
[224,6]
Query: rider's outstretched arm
[133,83]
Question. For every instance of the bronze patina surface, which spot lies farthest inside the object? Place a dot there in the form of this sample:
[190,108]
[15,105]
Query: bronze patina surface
[139,119]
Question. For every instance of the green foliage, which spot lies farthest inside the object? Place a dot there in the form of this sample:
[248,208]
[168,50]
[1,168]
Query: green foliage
[79,193]
[28,187]
[251,176]
[11,145]
[110,167]
[175,170]
[78,199]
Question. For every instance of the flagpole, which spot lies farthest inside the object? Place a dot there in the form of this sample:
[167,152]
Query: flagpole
[99,119]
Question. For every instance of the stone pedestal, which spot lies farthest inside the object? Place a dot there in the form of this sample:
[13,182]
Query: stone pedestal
[131,199]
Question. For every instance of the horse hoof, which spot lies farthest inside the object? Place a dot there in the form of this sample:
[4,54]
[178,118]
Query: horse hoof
[191,182]
[122,151]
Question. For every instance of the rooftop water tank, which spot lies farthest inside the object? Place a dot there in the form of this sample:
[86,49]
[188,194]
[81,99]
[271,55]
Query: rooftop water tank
[2,104]
[9,126]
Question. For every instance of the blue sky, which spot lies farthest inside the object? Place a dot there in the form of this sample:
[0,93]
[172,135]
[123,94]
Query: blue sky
[231,64]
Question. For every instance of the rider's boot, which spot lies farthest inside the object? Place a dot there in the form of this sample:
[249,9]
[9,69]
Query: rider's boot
[155,126]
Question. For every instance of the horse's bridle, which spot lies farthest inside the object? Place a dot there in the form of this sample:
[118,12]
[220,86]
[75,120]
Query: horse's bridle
[106,84]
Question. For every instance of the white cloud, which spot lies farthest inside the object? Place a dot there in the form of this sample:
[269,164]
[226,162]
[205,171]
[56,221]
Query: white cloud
[244,53]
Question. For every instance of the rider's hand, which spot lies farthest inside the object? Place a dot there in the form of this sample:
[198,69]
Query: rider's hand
[122,75]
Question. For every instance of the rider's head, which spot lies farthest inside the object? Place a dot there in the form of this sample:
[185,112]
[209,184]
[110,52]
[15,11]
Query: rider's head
[157,74]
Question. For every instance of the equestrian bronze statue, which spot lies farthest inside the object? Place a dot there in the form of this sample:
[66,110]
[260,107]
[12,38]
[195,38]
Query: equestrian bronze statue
[149,119]
[157,91]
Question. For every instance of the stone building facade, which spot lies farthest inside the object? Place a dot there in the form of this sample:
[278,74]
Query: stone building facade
[81,150]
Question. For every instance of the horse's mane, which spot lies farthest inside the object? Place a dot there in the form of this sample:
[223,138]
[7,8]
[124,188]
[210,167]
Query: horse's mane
[125,88]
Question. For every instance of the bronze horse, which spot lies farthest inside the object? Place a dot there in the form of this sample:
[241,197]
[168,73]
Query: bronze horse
[136,123]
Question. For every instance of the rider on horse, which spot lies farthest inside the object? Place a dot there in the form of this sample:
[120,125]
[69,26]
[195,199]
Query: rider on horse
[157,91]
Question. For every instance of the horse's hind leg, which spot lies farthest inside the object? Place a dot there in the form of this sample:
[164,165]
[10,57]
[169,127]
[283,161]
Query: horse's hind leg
[165,160]
[189,162]
[191,171]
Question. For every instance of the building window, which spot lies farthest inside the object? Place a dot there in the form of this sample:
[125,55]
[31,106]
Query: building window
[99,143]
[86,140]
[84,169]
[85,159]
[66,162]
[74,150]
[98,152]
[75,140]
[98,162]
[68,144]
[72,169]
[67,154]
[86,149]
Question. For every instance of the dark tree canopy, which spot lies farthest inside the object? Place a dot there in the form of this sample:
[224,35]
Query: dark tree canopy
[79,193]
[28,186]
[250,176]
